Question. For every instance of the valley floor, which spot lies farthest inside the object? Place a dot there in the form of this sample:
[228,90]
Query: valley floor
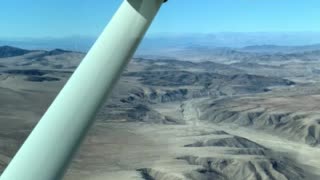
[194,150]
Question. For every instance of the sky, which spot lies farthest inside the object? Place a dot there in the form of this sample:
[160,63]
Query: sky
[65,18]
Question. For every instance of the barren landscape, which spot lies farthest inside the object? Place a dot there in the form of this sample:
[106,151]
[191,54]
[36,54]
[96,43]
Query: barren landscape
[196,114]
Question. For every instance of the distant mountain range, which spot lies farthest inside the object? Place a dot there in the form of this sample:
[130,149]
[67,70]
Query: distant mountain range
[280,49]
[203,53]
[230,40]
[10,51]
[156,42]
[82,44]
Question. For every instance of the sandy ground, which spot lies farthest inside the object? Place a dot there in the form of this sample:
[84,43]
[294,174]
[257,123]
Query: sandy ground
[117,150]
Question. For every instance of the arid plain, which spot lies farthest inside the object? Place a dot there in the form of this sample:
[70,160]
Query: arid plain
[238,114]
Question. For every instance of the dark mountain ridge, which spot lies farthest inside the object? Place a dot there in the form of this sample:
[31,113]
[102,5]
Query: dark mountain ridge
[9,51]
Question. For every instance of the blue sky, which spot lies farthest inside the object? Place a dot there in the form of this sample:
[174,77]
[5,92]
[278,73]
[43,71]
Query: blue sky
[63,18]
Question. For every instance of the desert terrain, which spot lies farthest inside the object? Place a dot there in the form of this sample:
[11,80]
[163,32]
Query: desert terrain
[195,114]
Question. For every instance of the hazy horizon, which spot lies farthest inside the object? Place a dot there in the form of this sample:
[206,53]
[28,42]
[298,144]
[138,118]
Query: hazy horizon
[74,25]
[175,40]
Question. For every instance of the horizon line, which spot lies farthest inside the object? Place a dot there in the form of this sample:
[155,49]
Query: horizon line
[160,34]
